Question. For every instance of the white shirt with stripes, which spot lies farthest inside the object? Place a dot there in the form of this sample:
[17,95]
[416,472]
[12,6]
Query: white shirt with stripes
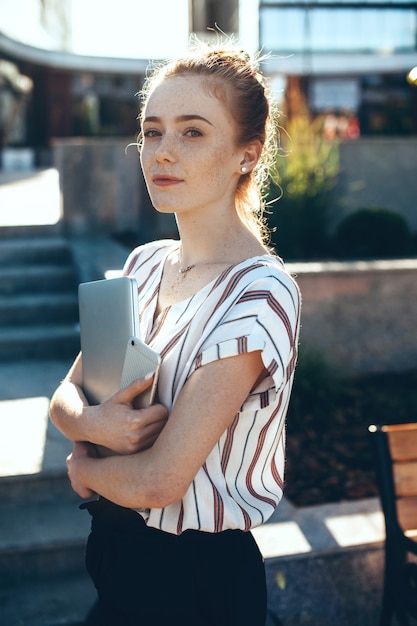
[253,305]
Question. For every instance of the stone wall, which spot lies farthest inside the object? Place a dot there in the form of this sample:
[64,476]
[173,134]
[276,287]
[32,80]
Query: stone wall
[99,184]
[103,191]
[361,316]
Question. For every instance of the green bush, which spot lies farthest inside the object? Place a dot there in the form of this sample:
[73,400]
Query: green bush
[299,228]
[318,388]
[303,178]
[373,233]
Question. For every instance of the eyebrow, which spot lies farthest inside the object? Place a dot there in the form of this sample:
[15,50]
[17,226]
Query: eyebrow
[180,118]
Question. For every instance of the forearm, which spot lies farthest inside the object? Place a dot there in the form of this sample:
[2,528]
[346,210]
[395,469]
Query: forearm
[133,481]
[114,424]
[161,474]
[71,414]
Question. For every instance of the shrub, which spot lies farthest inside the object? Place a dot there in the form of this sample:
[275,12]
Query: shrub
[305,174]
[373,233]
[318,388]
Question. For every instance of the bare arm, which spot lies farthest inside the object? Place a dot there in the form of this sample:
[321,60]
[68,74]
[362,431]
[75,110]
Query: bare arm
[161,474]
[114,424]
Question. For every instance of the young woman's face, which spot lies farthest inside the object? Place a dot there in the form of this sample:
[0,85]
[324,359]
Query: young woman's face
[189,155]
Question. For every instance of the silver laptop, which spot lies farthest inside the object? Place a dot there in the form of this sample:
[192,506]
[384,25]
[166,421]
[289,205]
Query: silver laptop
[109,317]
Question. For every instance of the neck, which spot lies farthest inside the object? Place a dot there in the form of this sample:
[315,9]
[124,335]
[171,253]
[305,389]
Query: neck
[209,241]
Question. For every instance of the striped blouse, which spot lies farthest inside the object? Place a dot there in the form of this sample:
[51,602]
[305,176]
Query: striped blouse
[253,305]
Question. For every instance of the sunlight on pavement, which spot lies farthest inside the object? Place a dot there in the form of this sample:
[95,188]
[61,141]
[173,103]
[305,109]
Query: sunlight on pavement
[322,527]
[353,530]
[30,198]
[23,430]
[280,539]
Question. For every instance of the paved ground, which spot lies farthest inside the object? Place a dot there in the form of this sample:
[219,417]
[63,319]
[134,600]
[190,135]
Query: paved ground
[30,198]
[29,441]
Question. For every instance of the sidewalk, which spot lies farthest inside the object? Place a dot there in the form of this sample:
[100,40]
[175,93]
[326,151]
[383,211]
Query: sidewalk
[30,198]
[30,443]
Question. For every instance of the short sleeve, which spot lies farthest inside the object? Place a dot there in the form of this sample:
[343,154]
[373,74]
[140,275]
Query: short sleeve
[264,317]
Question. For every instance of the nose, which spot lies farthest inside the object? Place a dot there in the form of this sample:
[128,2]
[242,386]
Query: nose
[165,150]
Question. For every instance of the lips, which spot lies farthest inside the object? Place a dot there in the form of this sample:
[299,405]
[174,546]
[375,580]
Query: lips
[163,180]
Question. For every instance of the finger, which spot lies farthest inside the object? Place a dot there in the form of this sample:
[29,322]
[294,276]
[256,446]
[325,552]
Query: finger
[151,414]
[144,436]
[152,432]
[152,429]
[80,448]
[129,393]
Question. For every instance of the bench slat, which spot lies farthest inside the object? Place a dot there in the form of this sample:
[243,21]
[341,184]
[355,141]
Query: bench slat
[407,514]
[402,441]
[405,478]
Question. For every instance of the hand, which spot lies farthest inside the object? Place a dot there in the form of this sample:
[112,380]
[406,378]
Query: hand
[75,460]
[124,429]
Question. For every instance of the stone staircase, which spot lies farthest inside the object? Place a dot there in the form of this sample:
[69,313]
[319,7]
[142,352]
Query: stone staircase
[42,534]
[43,581]
[38,298]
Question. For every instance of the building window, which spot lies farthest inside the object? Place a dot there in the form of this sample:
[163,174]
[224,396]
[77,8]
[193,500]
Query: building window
[331,27]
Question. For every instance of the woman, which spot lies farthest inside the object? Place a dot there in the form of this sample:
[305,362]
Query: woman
[194,473]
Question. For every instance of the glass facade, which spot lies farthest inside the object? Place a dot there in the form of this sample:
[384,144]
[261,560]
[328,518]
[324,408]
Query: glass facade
[326,35]
[372,26]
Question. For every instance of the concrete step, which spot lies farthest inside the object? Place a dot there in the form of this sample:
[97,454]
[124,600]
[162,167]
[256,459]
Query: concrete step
[34,250]
[38,299]
[57,601]
[39,341]
[30,230]
[42,547]
[42,533]
[22,309]
[45,542]
[36,279]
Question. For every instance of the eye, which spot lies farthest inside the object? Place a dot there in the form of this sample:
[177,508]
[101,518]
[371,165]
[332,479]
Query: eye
[193,132]
[151,133]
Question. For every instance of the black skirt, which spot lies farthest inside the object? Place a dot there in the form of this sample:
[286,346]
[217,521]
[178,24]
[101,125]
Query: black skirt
[145,576]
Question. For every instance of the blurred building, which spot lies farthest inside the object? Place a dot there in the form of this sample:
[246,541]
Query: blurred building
[349,60]
[72,94]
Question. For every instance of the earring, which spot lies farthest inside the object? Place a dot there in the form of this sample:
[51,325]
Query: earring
[243,169]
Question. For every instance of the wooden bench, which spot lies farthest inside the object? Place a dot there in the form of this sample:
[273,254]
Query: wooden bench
[396,460]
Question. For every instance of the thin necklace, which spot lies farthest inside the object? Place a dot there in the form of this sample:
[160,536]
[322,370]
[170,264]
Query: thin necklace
[184,270]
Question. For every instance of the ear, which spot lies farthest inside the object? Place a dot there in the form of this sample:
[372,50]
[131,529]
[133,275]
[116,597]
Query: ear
[251,156]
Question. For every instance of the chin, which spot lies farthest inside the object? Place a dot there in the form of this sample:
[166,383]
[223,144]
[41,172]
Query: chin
[163,208]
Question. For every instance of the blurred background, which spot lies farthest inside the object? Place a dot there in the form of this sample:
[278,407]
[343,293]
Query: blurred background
[344,75]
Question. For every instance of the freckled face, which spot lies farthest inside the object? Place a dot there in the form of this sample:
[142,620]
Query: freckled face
[189,155]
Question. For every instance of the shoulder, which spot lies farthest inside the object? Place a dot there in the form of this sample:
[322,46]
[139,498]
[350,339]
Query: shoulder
[149,253]
[264,290]
[266,273]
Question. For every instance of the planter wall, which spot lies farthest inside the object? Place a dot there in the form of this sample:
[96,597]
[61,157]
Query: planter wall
[360,315]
